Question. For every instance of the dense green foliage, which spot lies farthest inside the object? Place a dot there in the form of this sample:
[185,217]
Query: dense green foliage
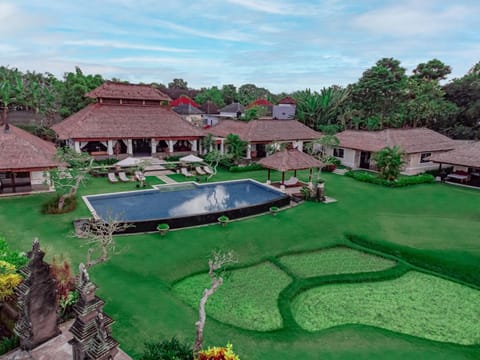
[10,256]
[250,167]
[389,162]
[373,178]
[171,349]
[7,344]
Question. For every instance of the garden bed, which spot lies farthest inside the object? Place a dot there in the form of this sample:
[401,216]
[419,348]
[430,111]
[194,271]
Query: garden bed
[415,304]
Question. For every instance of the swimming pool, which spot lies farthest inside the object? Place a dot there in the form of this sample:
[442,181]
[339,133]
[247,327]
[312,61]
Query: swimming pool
[185,204]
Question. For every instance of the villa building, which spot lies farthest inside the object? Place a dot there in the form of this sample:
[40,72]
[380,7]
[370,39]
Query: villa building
[285,110]
[260,133]
[234,110]
[357,147]
[25,161]
[128,120]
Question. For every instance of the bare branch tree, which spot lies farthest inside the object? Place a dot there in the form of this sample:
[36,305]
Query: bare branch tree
[217,265]
[100,233]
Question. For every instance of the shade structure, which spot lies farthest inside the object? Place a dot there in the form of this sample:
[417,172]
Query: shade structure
[191,159]
[292,159]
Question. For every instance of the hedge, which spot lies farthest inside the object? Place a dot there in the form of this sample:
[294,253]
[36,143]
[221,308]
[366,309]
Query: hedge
[373,178]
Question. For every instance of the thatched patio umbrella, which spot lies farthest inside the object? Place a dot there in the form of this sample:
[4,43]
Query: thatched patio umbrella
[292,159]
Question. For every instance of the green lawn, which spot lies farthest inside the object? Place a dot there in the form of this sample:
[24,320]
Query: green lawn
[438,220]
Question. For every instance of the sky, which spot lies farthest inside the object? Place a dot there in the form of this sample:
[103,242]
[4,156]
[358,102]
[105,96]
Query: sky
[282,45]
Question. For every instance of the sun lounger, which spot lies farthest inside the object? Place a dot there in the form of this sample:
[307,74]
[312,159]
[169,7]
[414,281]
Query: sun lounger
[185,172]
[208,170]
[112,178]
[291,182]
[123,177]
[200,171]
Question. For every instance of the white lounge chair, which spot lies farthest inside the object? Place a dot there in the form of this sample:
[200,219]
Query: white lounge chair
[208,170]
[112,178]
[200,171]
[291,182]
[185,172]
[123,177]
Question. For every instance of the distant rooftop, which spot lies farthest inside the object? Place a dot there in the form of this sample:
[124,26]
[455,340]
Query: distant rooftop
[116,90]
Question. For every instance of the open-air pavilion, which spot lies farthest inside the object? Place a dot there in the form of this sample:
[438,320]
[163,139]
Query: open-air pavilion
[290,160]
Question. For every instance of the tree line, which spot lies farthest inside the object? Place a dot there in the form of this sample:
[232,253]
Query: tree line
[385,96]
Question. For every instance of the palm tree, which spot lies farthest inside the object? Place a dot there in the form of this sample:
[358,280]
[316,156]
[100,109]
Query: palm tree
[389,162]
[236,146]
[11,89]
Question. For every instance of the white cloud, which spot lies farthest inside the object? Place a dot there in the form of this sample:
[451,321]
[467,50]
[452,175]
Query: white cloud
[411,19]
[124,45]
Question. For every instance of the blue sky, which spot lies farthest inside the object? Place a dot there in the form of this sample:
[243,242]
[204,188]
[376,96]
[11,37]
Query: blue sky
[283,45]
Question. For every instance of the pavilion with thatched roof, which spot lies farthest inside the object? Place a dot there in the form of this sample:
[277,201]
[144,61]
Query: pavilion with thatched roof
[287,160]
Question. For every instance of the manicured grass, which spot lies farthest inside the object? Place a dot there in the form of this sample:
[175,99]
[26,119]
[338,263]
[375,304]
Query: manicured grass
[332,261]
[437,220]
[247,299]
[415,304]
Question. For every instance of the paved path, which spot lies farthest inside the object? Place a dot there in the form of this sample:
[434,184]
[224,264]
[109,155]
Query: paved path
[57,348]
[340,171]
[166,179]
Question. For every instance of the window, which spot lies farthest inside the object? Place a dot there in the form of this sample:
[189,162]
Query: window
[338,152]
[424,156]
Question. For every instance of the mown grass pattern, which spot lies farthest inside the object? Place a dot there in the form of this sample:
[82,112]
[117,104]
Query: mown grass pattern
[415,304]
[332,261]
[247,298]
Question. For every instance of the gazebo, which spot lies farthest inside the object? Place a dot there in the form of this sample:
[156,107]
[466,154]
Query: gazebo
[287,160]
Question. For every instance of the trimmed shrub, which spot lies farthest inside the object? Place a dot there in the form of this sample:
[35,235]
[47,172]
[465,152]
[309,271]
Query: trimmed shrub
[172,158]
[167,350]
[373,178]
[12,257]
[250,167]
[51,206]
[9,279]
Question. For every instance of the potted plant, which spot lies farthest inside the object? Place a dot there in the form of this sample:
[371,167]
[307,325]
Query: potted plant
[274,210]
[223,220]
[163,229]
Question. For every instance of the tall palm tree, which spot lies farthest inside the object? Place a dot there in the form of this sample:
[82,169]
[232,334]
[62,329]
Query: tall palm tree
[11,90]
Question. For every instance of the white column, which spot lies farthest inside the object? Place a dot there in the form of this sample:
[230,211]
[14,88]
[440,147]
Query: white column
[194,145]
[129,147]
[110,147]
[170,146]
[200,147]
[249,151]
[222,147]
[300,145]
[154,146]
[76,146]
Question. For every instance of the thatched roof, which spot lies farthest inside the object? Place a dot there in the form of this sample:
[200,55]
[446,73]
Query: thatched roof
[265,130]
[410,140]
[100,121]
[23,151]
[465,154]
[115,90]
[292,159]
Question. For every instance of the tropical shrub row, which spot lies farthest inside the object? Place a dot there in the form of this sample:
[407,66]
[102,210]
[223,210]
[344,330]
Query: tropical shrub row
[373,178]
[250,167]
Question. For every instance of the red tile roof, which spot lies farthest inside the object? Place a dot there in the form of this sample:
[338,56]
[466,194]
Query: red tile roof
[288,100]
[115,90]
[100,121]
[265,130]
[290,160]
[183,100]
[209,108]
[465,154]
[410,140]
[22,150]
[259,102]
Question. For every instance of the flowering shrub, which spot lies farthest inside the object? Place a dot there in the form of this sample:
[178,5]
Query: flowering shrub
[9,279]
[218,353]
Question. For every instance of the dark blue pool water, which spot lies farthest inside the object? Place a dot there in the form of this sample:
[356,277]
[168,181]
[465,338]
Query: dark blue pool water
[182,200]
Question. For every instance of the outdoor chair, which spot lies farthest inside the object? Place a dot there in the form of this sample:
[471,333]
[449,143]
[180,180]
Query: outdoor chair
[208,170]
[123,177]
[291,182]
[139,176]
[185,172]
[200,171]
[112,178]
